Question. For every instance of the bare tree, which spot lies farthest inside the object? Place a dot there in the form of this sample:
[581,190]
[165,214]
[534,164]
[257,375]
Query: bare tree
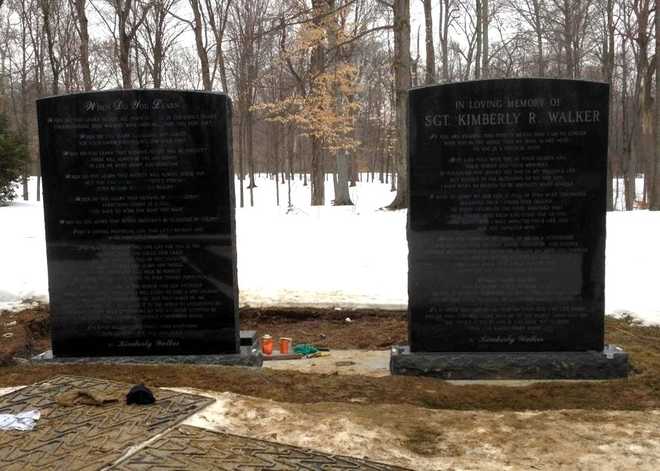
[209,24]
[79,9]
[608,75]
[157,38]
[532,13]
[53,22]
[401,14]
[247,24]
[485,24]
[447,11]
[654,200]
[569,22]
[123,22]
[217,14]
[429,76]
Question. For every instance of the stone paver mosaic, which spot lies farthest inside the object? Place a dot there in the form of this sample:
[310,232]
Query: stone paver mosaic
[85,437]
[195,449]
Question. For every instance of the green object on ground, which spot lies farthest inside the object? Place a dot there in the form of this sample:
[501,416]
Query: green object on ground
[305,349]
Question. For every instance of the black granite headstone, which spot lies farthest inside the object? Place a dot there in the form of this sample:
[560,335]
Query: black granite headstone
[506,226]
[140,231]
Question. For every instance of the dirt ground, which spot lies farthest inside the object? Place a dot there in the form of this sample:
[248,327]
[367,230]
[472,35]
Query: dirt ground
[367,330]
[417,423]
[421,439]
[24,333]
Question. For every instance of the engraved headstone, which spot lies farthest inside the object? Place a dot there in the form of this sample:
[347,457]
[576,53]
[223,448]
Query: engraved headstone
[140,231]
[506,227]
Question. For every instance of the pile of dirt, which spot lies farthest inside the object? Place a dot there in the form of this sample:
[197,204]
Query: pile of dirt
[363,329]
[24,333]
[641,391]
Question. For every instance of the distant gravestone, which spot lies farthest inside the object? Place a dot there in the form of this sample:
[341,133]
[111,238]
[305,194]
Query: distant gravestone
[140,231]
[506,226]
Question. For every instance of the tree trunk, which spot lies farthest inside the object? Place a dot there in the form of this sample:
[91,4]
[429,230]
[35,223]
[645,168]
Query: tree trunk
[628,184]
[124,46]
[428,39]
[355,176]
[291,154]
[223,69]
[444,20]
[342,158]
[402,84]
[616,194]
[83,33]
[51,22]
[276,157]
[24,106]
[539,37]
[249,144]
[317,64]
[317,180]
[609,72]
[241,151]
[159,57]
[125,65]
[655,188]
[202,53]
[342,194]
[479,38]
[484,44]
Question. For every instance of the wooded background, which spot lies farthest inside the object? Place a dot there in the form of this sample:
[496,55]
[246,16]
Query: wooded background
[319,87]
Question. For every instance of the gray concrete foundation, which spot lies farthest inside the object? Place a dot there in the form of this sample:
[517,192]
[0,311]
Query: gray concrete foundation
[250,355]
[611,363]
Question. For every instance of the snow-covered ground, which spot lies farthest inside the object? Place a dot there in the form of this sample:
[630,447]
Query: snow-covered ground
[334,256]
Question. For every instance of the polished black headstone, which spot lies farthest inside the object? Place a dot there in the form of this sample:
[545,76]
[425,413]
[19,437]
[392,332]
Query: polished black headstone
[506,226]
[140,231]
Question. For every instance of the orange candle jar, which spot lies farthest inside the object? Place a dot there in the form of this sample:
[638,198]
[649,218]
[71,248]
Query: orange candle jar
[267,344]
[285,344]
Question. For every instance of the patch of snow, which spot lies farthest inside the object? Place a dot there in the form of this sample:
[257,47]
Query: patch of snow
[9,390]
[23,274]
[349,256]
[632,259]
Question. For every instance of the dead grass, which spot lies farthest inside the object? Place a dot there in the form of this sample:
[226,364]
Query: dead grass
[640,391]
[427,441]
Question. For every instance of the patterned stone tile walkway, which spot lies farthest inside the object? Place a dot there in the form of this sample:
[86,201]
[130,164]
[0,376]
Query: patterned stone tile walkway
[194,449]
[140,438]
[85,437]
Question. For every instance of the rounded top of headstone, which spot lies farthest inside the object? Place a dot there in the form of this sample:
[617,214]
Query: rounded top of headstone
[131,92]
[508,81]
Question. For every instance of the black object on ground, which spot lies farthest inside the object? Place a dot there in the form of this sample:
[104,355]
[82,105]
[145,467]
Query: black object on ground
[140,394]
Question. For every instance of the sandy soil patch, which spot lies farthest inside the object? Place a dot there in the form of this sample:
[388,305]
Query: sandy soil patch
[424,439]
[374,363]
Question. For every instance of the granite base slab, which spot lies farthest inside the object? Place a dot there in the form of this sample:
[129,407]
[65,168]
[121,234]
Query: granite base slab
[611,363]
[250,355]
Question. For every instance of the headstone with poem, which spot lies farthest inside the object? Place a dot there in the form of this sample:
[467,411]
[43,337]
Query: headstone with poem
[140,231]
